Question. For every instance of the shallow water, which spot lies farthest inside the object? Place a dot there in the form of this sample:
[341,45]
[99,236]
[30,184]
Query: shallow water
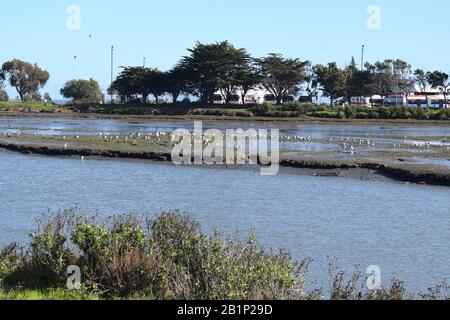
[314,130]
[403,228]
[327,137]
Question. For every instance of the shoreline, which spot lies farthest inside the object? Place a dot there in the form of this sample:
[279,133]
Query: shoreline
[76,115]
[323,168]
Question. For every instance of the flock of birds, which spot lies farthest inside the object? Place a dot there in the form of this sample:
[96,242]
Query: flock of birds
[350,143]
[105,136]
[347,144]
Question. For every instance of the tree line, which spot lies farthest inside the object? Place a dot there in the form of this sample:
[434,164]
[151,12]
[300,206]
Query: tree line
[221,67]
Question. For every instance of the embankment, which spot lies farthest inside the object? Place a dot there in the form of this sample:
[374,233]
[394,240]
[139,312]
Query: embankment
[409,174]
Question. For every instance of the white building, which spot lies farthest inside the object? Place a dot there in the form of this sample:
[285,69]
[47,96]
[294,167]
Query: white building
[254,96]
[430,97]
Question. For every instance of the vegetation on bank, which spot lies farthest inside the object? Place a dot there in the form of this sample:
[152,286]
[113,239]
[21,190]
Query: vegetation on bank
[31,107]
[268,110]
[168,257]
[350,112]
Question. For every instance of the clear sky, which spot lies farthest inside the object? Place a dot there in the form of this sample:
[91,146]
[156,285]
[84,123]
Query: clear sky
[318,30]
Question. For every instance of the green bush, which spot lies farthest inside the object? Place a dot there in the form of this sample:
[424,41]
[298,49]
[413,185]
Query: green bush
[163,258]
[49,251]
[221,112]
[9,261]
[167,257]
[350,112]
[442,115]
[263,109]
[340,115]
[30,107]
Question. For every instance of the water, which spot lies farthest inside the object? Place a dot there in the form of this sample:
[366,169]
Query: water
[64,126]
[403,228]
[327,137]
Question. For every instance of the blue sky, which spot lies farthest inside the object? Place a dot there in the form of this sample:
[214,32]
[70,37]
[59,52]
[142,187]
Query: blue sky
[319,30]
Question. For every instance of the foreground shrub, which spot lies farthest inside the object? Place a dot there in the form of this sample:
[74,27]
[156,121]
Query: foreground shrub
[10,261]
[115,258]
[49,253]
[168,257]
[352,287]
[217,268]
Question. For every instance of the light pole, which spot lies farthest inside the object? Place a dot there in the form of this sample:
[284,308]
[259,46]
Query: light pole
[362,58]
[144,61]
[362,68]
[112,71]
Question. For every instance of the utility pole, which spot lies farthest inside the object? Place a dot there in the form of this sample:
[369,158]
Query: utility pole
[144,61]
[112,71]
[362,69]
[362,58]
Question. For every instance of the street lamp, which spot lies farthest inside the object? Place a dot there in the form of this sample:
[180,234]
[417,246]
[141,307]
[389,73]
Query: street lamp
[362,57]
[112,72]
[362,68]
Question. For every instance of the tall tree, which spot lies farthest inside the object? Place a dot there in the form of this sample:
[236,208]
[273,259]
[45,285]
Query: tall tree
[282,76]
[82,91]
[352,71]
[213,67]
[382,78]
[392,76]
[440,80]
[249,78]
[176,82]
[234,72]
[25,77]
[154,82]
[312,84]
[126,85]
[361,84]
[421,80]
[139,81]
[332,81]
[403,76]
